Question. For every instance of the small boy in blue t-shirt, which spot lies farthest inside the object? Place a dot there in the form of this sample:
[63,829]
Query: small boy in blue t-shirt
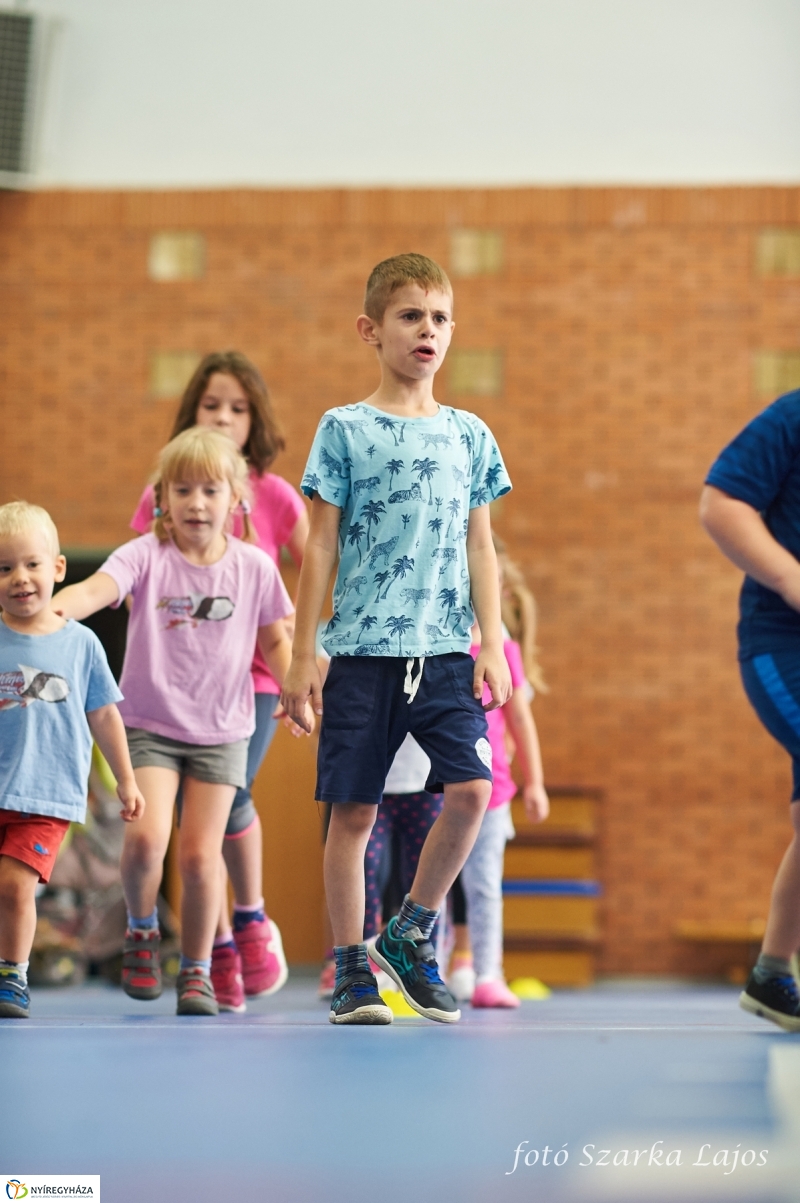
[751,508]
[56,692]
[400,487]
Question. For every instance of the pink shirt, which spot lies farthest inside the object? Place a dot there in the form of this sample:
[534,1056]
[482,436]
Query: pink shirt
[504,787]
[276,508]
[191,637]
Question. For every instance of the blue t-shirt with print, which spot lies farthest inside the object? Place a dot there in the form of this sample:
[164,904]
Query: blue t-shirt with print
[762,468]
[405,487]
[48,683]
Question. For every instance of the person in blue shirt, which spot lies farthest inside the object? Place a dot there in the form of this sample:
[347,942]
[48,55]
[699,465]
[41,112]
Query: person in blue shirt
[400,490]
[751,508]
[56,693]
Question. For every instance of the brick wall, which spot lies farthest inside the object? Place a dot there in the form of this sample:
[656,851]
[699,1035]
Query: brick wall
[628,320]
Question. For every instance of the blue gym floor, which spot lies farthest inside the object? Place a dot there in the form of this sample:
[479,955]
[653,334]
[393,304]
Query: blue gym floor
[279,1106]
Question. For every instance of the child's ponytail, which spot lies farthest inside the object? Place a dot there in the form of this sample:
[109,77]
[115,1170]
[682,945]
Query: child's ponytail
[518,610]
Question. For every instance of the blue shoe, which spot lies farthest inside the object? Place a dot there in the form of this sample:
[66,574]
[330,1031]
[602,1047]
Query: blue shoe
[356,1000]
[15,998]
[776,999]
[410,963]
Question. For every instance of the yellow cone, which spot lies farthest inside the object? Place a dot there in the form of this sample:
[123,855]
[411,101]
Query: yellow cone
[529,988]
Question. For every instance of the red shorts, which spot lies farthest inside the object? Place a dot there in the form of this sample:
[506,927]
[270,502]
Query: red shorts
[33,839]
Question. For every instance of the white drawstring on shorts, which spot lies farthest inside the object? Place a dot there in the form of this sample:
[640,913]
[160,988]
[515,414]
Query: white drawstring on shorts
[411,685]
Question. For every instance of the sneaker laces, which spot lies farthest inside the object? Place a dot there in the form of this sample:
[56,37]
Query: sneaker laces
[788,985]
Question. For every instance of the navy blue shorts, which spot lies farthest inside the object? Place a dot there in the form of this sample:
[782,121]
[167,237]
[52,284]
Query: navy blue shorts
[367,715]
[772,683]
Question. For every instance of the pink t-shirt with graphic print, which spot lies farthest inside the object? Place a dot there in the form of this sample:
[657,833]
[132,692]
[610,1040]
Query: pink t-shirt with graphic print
[191,636]
[276,509]
[504,787]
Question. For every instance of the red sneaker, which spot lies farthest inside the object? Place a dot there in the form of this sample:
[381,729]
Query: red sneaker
[264,967]
[226,978]
[141,969]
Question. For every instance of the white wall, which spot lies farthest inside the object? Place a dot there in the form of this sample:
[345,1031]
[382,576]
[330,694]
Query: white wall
[313,92]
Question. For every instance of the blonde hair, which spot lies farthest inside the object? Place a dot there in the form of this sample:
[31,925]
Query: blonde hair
[394,273]
[17,517]
[518,611]
[200,453]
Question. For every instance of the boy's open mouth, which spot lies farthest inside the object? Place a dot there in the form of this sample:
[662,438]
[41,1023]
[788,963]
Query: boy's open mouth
[425,352]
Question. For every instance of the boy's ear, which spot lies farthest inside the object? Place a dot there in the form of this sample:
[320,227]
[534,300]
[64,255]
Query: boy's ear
[368,330]
[61,568]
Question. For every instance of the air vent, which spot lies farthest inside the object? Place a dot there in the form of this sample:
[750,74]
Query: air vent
[177,255]
[476,252]
[171,371]
[16,69]
[778,253]
[476,373]
[776,372]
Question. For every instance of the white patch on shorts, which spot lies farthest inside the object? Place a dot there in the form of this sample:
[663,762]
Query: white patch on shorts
[484,750]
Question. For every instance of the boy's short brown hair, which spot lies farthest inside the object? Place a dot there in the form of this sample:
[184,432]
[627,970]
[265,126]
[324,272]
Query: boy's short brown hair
[391,274]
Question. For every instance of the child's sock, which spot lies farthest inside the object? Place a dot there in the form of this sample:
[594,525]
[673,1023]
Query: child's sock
[242,915]
[225,940]
[767,967]
[20,967]
[192,963]
[350,958]
[413,915]
[147,924]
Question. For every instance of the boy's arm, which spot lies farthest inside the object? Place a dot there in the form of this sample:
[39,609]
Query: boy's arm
[303,678]
[491,665]
[740,532]
[108,731]
[275,647]
[517,713]
[85,598]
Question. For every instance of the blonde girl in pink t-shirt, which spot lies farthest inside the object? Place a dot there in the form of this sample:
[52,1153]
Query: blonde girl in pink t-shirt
[228,393]
[201,601]
[482,875]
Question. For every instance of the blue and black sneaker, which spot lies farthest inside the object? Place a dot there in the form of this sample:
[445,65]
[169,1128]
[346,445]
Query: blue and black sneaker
[15,999]
[777,999]
[356,1000]
[410,962]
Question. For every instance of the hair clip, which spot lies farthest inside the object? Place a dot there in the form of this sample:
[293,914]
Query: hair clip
[245,504]
[157,511]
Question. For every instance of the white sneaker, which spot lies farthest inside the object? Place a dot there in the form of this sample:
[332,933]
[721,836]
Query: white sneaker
[461,983]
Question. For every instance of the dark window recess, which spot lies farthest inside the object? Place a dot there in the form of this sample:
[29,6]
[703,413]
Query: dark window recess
[110,626]
[16,44]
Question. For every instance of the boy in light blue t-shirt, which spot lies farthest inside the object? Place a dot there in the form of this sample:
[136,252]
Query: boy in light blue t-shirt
[400,487]
[56,693]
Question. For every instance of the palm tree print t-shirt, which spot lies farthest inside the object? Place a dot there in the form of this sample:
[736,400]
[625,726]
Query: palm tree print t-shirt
[405,488]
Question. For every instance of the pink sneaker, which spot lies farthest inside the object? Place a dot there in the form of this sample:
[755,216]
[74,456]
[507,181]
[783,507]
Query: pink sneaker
[494,994]
[327,980]
[226,978]
[264,967]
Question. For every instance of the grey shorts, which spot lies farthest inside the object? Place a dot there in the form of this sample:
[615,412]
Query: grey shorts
[218,764]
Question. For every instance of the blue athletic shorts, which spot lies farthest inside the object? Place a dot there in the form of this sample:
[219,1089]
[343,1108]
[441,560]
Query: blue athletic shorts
[772,683]
[367,715]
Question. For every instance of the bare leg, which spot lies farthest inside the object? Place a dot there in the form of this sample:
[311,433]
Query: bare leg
[348,835]
[18,883]
[242,857]
[224,920]
[146,841]
[450,841]
[782,937]
[206,809]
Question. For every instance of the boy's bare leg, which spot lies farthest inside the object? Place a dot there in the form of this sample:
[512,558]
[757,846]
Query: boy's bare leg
[782,937]
[18,884]
[242,858]
[146,842]
[206,808]
[450,841]
[345,847]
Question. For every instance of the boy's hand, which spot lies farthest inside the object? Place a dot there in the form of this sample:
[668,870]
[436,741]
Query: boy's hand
[301,696]
[290,724]
[537,803]
[132,800]
[491,668]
